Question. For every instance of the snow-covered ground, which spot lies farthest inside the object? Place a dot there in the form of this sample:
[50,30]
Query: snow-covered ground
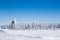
[42,35]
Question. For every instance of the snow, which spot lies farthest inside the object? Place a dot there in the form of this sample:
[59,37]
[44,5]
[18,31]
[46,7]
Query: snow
[51,33]
[31,35]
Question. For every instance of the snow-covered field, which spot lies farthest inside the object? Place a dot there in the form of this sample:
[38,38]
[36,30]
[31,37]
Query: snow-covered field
[53,35]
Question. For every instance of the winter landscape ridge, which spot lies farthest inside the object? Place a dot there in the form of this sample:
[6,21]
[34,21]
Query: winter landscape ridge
[31,26]
[32,31]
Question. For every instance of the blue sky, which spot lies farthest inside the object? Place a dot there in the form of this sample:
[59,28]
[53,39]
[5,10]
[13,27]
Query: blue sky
[27,11]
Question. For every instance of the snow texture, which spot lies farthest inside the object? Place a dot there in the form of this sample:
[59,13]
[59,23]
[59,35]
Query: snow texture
[42,36]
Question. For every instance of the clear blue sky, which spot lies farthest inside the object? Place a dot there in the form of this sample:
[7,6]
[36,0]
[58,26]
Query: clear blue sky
[27,11]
